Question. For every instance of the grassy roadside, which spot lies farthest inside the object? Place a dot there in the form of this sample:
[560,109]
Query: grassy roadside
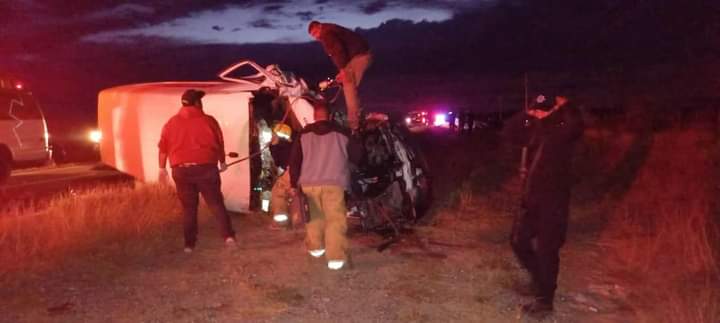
[645,199]
[114,217]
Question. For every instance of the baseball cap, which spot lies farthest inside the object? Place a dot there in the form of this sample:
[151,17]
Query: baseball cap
[543,101]
[192,96]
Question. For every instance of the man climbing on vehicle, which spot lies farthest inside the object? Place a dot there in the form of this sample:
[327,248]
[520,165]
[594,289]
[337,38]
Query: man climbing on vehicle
[351,54]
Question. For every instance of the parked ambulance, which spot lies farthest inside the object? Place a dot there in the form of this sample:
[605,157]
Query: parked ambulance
[23,130]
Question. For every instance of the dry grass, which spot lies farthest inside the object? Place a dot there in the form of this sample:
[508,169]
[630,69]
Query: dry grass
[664,230]
[656,193]
[650,198]
[121,217]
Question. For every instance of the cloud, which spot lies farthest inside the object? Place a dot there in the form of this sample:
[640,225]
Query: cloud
[122,11]
[272,8]
[261,23]
[305,15]
[255,22]
[374,7]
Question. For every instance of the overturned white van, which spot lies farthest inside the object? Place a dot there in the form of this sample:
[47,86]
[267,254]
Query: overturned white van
[390,187]
[131,118]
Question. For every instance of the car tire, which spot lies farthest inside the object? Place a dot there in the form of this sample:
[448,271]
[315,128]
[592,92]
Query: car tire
[59,154]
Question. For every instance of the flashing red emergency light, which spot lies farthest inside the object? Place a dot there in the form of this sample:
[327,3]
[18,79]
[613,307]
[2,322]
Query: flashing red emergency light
[11,83]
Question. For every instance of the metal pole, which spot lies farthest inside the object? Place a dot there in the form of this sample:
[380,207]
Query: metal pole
[523,157]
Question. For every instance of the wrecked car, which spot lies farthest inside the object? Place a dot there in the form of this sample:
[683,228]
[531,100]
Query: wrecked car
[390,187]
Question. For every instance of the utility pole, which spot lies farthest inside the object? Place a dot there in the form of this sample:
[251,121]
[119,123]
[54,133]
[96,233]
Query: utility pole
[523,157]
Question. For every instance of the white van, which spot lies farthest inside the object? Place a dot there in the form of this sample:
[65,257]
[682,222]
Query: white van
[131,117]
[247,102]
[23,131]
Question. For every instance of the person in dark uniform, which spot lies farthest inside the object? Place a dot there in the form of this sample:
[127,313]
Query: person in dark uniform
[549,129]
[452,115]
[462,116]
[470,120]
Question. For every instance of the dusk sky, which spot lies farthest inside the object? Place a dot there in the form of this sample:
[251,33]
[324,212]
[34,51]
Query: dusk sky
[69,50]
[201,22]
[425,50]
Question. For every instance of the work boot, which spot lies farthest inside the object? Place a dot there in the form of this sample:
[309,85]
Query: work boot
[280,222]
[538,309]
[231,243]
[315,258]
[529,289]
[346,264]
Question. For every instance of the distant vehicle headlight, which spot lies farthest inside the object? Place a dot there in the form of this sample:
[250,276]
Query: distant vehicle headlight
[439,120]
[95,136]
[408,120]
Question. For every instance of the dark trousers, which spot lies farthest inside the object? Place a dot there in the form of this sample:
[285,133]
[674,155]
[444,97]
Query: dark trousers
[537,236]
[203,179]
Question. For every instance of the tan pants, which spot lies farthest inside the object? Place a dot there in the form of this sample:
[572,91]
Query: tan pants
[280,201]
[352,75]
[328,226]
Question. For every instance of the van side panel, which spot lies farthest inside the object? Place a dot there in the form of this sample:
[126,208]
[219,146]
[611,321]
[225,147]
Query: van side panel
[131,119]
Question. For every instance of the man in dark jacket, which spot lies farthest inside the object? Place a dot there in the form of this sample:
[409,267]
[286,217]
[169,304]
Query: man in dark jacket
[550,130]
[193,142]
[320,166]
[351,55]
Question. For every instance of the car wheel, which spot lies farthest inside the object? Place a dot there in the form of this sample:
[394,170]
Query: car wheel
[59,153]
[423,184]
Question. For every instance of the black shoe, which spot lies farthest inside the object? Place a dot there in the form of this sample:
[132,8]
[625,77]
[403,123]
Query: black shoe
[538,309]
[526,290]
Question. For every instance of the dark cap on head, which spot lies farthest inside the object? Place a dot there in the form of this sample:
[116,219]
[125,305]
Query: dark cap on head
[543,101]
[192,97]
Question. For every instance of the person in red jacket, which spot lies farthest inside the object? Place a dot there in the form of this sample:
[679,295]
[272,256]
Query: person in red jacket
[193,142]
[351,55]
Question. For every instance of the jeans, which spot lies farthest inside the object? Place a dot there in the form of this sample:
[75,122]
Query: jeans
[203,179]
[353,74]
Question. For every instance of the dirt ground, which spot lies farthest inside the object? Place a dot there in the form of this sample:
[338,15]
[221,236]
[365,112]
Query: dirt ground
[455,267]
[456,273]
